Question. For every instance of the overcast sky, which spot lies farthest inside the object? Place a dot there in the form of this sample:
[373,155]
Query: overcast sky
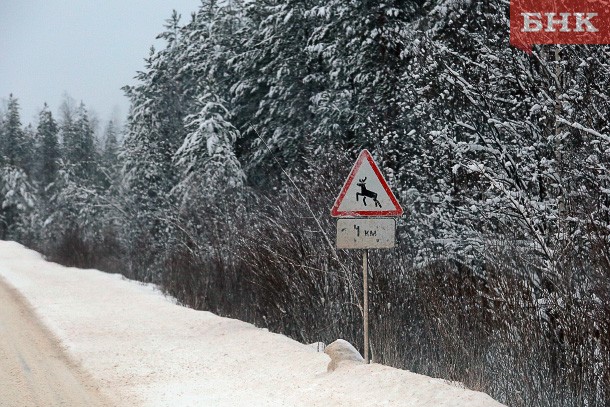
[85,48]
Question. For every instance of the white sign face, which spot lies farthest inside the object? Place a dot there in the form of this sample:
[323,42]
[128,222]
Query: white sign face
[366,233]
[366,192]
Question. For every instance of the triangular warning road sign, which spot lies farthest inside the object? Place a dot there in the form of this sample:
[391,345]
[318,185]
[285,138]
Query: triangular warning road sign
[366,192]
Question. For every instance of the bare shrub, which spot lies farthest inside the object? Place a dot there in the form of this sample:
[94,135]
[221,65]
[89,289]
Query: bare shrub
[503,327]
[72,250]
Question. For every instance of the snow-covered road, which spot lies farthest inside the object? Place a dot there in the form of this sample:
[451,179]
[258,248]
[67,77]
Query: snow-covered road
[34,371]
[143,350]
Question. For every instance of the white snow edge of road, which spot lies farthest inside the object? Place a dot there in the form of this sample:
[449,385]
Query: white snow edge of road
[144,350]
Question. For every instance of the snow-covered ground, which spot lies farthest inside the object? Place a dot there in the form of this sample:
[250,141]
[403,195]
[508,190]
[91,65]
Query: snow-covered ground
[144,350]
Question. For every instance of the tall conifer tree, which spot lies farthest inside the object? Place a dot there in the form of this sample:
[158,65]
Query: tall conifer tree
[48,154]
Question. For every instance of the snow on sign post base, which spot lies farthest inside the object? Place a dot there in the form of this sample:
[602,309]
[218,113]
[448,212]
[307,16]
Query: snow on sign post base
[361,205]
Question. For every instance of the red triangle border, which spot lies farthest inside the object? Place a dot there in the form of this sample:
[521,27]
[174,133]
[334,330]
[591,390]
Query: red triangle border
[365,155]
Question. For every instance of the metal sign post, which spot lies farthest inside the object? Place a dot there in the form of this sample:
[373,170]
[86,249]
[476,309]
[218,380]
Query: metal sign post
[360,225]
[365,279]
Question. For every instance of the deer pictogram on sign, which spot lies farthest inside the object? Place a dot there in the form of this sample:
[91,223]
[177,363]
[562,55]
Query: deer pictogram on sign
[365,193]
[365,180]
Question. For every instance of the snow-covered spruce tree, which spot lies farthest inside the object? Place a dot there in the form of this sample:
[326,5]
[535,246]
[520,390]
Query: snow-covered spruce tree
[209,178]
[17,203]
[206,159]
[425,179]
[72,217]
[521,142]
[204,47]
[207,156]
[78,140]
[111,187]
[277,79]
[109,157]
[14,146]
[80,150]
[73,227]
[362,44]
[111,145]
[17,195]
[155,131]
[580,140]
[30,140]
[498,165]
[47,154]
[68,133]
[514,130]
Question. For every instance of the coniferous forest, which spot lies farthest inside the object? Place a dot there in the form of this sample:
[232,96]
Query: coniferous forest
[244,126]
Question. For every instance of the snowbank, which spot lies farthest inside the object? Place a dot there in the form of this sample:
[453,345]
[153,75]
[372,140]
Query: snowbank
[144,350]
